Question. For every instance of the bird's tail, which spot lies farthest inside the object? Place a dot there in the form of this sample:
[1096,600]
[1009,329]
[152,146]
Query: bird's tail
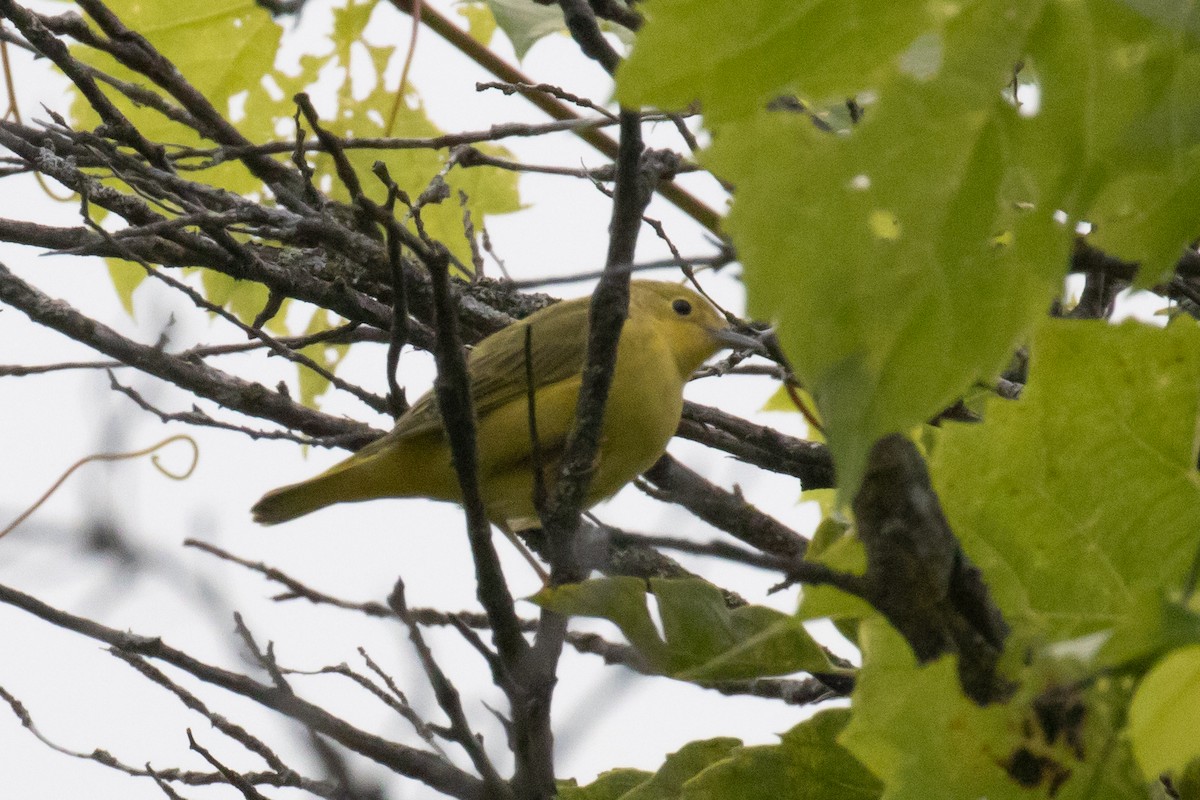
[348,481]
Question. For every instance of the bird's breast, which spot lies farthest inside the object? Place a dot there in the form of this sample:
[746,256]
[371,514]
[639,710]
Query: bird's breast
[641,415]
[644,406]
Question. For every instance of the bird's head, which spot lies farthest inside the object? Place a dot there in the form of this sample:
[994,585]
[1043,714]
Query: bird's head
[692,327]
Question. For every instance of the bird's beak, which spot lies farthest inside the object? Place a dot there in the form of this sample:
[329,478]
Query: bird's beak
[738,341]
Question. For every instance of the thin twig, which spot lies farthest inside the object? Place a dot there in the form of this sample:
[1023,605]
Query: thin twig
[234,778]
[526,89]
[489,61]
[425,767]
[452,388]
[675,483]
[200,378]
[191,778]
[448,699]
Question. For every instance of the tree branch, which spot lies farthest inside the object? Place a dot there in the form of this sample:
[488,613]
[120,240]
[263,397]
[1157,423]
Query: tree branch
[232,392]
[917,574]
[675,483]
[425,767]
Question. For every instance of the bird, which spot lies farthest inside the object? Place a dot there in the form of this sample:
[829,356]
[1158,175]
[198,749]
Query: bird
[669,332]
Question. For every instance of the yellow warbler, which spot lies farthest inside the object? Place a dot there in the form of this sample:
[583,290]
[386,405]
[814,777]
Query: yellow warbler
[670,332]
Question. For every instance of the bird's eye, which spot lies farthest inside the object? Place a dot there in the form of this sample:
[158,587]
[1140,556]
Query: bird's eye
[682,307]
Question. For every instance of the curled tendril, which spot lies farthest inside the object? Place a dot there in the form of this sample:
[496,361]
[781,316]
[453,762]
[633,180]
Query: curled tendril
[151,451]
[175,476]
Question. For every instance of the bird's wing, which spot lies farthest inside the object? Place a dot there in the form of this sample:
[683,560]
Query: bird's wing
[496,367]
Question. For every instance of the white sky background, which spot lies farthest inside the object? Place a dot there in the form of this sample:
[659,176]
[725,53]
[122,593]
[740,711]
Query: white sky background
[83,698]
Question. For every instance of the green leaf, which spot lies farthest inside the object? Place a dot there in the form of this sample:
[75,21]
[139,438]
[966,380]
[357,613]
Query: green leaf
[712,642]
[126,277]
[185,31]
[1132,168]
[662,785]
[903,237]
[524,22]
[830,531]
[324,354]
[481,22]
[1165,714]
[877,249]
[488,191]
[611,785]
[844,553]
[913,727]
[1111,137]
[825,500]
[681,766]
[1153,626]
[732,57]
[808,764]
[240,74]
[1187,784]
[244,298]
[1083,495]
[621,600]
[704,640]
[779,400]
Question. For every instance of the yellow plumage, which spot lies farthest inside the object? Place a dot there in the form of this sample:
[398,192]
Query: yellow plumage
[670,332]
